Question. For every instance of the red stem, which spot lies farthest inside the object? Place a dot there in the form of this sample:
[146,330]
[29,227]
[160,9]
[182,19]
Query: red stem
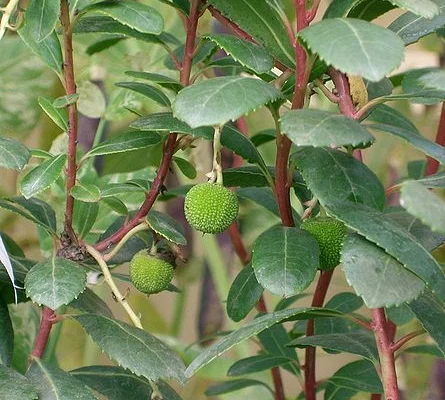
[433,165]
[386,354]
[405,339]
[309,364]
[46,323]
[169,147]
[70,88]
[234,28]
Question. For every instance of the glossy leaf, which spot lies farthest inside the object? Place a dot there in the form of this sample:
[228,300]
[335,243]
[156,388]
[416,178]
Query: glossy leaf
[15,385]
[248,54]
[59,116]
[395,240]
[243,294]
[6,264]
[234,385]
[362,344]
[135,15]
[186,167]
[285,260]
[148,91]
[429,310]
[13,154]
[217,101]
[333,175]
[54,282]
[251,329]
[167,227]
[41,18]
[52,383]
[167,392]
[428,349]
[424,204]
[143,353]
[125,142]
[64,101]
[411,27]
[86,192]
[426,84]
[365,49]
[42,176]
[424,8]
[376,276]
[262,196]
[318,128]
[161,80]
[358,375]
[90,302]
[84,217]
[263,23]
[255,364]
[433,181]
[114,382]
[6,336]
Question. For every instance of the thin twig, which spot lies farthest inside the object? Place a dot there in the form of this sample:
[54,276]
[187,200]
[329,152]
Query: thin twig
[397,345]
[46,323]
[7,14]
[110,282]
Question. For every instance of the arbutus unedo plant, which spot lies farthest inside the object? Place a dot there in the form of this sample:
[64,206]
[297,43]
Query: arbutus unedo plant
[247,148]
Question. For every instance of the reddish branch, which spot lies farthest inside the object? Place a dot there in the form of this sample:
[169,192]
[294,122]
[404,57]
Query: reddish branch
[386,354]
[433,165]
[169,147]
[70,88]
[309,363]
[405,339]
[47,321]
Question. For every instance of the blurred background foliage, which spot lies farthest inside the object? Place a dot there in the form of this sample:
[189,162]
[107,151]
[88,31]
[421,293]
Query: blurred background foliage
[180,319]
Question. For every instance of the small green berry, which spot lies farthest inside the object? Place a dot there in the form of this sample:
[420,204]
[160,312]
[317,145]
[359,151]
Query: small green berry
[329,234]
[150,274]
[210,207]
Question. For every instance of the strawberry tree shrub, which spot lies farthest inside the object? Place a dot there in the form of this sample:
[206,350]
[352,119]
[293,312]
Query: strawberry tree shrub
[136,96]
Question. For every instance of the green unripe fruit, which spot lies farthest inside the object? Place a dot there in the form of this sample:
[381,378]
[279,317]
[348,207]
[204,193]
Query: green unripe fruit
[210,207]
[150,274]
[329,234]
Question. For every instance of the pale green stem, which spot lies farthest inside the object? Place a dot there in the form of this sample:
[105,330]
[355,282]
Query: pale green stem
[7,14]
[110,282]
[217,168]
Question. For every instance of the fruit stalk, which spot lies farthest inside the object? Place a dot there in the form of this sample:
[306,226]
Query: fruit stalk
[217,168]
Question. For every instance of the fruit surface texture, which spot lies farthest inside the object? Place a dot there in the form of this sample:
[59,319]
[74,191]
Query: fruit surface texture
[210,207]
[150,274]
[329,234]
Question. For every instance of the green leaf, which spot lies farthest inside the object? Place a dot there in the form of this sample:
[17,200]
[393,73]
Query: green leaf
[161,80]
[42,176]
[48,50]
[285,260]
[263,23]
[34,209]
[430,311]
[167,227]
[143,354]
[262,196]
[333,392]
[84,217]
[248,54]
[243,294]
[13,154]
[423,204]
[15,385]
[418,141]
[86,192]
[135,15]
[6,336]
[411,27]
[59,117]
[429,349]
[41,18]
[425,84]
[320,128]
[54,282]
[358,375]
[91,101]
[333,175]
[376,276]
[255,364]
[251,329]
[53,383]
[90,302]
[366,10]
[395,240]
[362,344]
[424,8]
[360,48]
[104,43]
[114,382]
[167,391]
[433,181]
[205,49]
[384,114]
[186,167]
[125,142]
[400,315]
[148,91]
[217,101]
[66,100]
[233,385]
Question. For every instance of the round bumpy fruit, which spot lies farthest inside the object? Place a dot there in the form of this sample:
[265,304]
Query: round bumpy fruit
[210,207]
[150,274]
[329,234]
